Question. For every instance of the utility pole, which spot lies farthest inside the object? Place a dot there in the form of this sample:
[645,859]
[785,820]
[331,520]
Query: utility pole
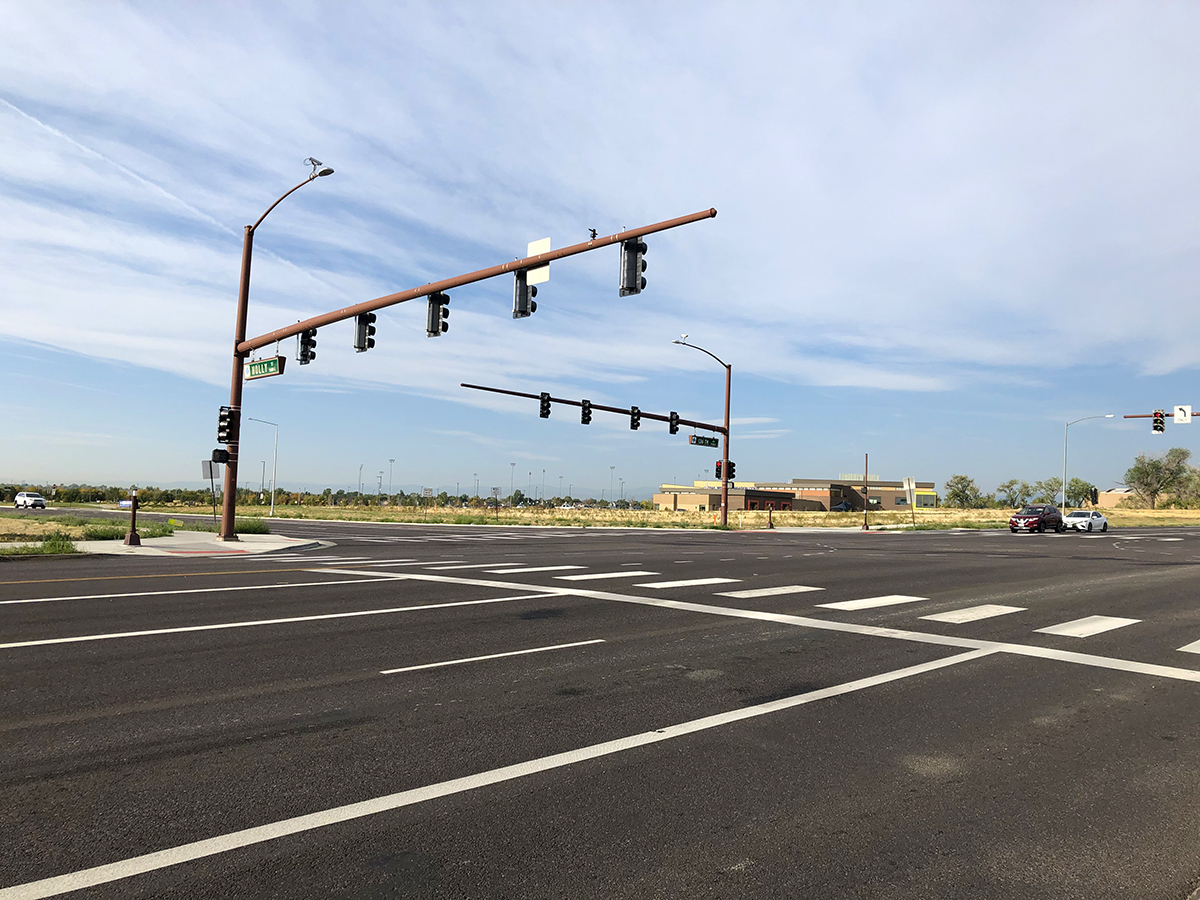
[725,451]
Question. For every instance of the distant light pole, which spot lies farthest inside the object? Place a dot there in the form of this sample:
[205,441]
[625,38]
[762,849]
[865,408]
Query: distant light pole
[390,461]
[560,485]
[360,468]
[622,480]
[512,473]
[612,498]
[543,485]
[274,458]
[229,501]
[725,452]
[1065,427]
[262,480]
[475,475]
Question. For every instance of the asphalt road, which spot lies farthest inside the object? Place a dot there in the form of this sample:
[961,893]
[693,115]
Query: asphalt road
[442,712]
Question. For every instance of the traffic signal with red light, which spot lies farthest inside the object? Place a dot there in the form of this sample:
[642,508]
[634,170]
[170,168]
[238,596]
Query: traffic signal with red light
[1160,422]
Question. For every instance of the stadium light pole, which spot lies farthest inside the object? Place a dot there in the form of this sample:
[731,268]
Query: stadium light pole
[229,501]
[682,341]
[1065,427]
[274,459]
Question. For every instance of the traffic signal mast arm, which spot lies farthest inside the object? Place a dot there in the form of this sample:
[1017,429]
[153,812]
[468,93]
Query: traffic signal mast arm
[1142,416]
[529,262]
[612,409]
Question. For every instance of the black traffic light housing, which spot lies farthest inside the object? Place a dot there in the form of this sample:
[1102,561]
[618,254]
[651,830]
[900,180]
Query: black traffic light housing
[718,470]
[1160,422]
[732,470]
[220,456]
[364,332]
[635,418]
[632,266]
[673,422]
[226,425]
[437,314]
[585,412]
[308,346]
[544,411]
[523,293]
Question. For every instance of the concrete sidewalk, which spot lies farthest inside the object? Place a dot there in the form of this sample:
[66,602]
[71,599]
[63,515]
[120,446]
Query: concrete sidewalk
[201,543]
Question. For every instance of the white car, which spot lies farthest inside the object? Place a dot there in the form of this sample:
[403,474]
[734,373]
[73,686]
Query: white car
[29,500]
[1086,520]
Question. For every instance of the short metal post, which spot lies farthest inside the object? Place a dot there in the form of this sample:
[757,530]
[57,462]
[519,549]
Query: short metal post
[132,539]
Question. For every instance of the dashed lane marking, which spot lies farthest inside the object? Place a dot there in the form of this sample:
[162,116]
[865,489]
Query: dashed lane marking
[212,590]
[768,592]
[593,576]
[973,613]
[872,602]
[687,582]
[470,659]
[1087,626]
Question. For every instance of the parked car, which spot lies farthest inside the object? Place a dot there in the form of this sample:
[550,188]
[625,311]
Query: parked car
[29,500]
[1040,517]
[1087,520]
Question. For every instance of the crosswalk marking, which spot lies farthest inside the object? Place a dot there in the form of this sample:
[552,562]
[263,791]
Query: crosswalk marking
[525,569]
[440,567]
[768,592]
[592,576]
[687,582]
[872,602]
[1088,626]
[973,613]
[1193,647]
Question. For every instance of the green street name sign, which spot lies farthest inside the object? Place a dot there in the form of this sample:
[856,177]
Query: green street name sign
[701,441]
[264,368]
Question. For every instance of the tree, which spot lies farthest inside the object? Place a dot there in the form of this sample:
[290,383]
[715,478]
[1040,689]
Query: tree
[963,492]
[1046,491]
[1150,476]
[1016,492]
[1079,491]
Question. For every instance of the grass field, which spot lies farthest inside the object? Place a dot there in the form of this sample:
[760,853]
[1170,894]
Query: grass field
[19,526]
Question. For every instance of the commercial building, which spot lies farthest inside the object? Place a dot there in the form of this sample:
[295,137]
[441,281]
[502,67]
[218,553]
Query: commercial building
[815,494]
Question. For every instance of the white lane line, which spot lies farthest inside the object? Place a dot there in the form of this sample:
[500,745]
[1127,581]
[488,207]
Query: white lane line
[1088,626]
[687,582]
[1193,647]
[919,637]
[525,569]
[257,622]
[469,659]
[150,862]
[403,562]
[208,590]
[973,613]
[440,566]
[592,576]
[768,592]
[872,602]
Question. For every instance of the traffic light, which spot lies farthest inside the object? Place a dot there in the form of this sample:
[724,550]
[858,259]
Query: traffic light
[585,412]
[523,303]
[632,266]
[226,425]
[308,346]
[635,418]
[544,412]
[732,470]
[220,456]
[1160,422]
[435,320]
[673,422]
[718,470]
[364,331]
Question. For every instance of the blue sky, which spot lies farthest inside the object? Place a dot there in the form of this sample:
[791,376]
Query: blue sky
[944,230]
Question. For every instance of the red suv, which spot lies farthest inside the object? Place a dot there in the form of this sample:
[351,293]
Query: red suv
[1037,518]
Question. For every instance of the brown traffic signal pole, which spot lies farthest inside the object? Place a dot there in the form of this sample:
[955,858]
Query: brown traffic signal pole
[229,498]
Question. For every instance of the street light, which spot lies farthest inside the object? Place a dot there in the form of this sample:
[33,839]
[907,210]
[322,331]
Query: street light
[360,468]
[612,471]
[1065,427]
[229,501]
[390,461]
[274,458]
[512,473]
[725,452]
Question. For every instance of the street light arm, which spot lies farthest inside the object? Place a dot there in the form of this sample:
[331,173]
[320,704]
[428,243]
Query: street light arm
[702,350]
[311,177]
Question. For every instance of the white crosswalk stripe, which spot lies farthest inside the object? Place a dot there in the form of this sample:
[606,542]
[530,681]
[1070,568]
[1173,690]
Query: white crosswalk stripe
[592,576]
[526,569]
[973,613]
[872,602]
[1088,626]
[768,592]
[687,582]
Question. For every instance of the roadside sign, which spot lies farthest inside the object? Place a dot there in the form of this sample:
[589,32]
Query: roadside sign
[125,504]
[541,273]
[207,469]
[496,492]
[700,440]
[910,490]
[427,492]
[264,368]
[1183,415]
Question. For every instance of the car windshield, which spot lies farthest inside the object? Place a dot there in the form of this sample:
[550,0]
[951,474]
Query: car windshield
[34,496]
[1031,511]
[1078,515]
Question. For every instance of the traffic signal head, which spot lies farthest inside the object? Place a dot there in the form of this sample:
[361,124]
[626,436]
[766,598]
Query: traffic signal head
[220,456]
[226,425]
[632,266]
[1160,422]
[544,412]
[718,470]
[308,346]
[673,422]
[732,469]
[523,293]
[437,314]
[364,332]
[585,412]
[635,418]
